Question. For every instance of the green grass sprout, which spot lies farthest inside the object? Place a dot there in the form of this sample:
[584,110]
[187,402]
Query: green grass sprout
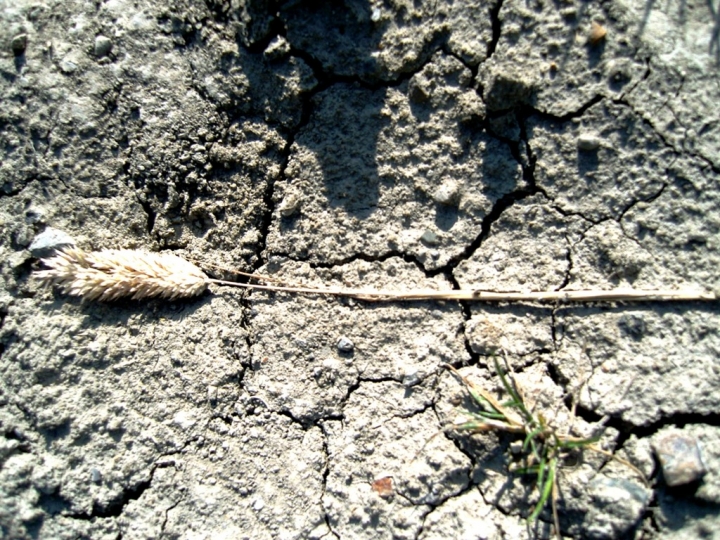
[543,448]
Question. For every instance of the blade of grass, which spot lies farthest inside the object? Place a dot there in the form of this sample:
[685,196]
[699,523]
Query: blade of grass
[487,425]
[546,490]
[533,469]
[487,397]
[491,415]
[513,392]
[541,472]
[530,438]
[564,442]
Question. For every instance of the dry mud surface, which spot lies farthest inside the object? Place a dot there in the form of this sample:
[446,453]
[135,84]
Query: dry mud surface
[505,145]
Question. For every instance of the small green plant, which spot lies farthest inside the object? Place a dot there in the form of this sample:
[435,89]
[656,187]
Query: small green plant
[543,447]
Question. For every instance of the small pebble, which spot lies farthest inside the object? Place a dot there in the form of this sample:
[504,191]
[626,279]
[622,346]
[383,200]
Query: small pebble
[290,204]
[430,238]
[19,43]
[680,458]
[516,448]
[597,33]
[277,49]
[48,241]
[95,476]
[447,193]
[258,505]
[587,142]
[67,66]
[103,46]
[411,379]
[115,424]
[345,345]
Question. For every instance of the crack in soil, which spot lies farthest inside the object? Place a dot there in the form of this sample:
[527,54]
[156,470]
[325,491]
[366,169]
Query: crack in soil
[326,474]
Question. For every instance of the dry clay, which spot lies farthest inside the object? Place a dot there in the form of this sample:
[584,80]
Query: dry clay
[504,146]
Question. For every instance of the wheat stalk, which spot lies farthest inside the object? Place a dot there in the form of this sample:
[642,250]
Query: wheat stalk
[113,274]
[118,273]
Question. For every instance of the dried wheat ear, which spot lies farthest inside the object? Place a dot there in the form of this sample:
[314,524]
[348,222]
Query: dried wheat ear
[122,273]
[118,273]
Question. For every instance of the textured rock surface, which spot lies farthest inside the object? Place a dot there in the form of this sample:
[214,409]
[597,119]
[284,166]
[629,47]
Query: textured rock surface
[680,457]
[505,145]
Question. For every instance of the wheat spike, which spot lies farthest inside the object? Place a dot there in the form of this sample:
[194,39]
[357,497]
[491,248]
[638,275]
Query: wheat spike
[116,273]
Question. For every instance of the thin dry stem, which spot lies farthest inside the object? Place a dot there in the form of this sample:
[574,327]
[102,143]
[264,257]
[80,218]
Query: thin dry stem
[596,448]
[556,518]
[372,295]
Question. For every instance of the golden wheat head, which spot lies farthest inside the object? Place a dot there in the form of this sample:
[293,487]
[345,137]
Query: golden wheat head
[119,273]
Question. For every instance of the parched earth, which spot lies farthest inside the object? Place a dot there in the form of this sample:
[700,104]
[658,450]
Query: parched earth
[506,145]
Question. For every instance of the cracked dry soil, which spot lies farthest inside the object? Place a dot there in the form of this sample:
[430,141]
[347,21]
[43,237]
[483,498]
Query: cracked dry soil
[500,145]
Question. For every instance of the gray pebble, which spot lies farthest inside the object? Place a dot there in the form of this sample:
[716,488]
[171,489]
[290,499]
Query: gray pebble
[95,476]
[345,345]
[680,458]
[19,43]
[290,204]
[430,238]
[103,46]
[448,193]
[411,379]
[48,241]
[67,66]
[587,142]
[516,448]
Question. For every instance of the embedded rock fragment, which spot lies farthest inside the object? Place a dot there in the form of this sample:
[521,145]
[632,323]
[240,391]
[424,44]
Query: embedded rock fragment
[680,457]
